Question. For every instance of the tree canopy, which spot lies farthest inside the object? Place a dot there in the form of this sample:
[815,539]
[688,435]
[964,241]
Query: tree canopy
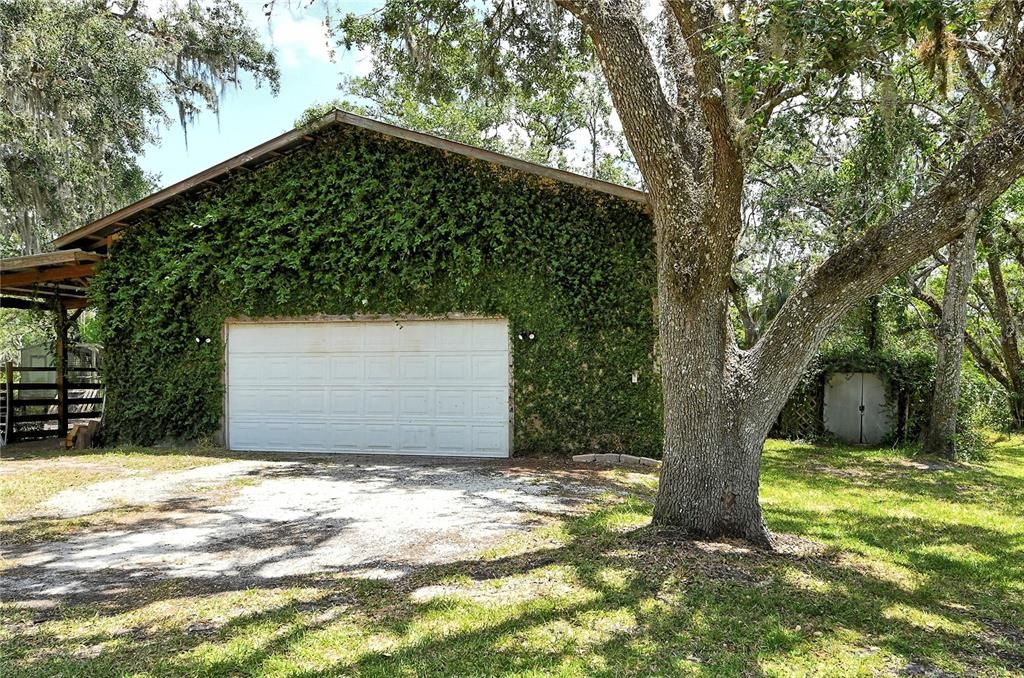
[525,82]
[85,84]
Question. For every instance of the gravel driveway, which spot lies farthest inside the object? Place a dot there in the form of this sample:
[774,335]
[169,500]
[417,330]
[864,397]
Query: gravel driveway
[267,519]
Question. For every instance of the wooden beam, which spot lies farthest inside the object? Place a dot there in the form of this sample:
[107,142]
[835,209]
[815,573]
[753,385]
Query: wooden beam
[46,289]
[27,301]
[9,402]
[23,304]
[35,261]
[58,273]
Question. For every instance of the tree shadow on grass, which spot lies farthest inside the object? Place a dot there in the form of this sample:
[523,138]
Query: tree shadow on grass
[608,601]
[910,593]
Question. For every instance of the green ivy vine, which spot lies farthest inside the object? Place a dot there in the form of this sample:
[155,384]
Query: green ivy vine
[358,223]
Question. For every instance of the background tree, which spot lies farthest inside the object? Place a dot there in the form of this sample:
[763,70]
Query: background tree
[940,434]
[482,78]
[994,302]
[696,86]
[83,87]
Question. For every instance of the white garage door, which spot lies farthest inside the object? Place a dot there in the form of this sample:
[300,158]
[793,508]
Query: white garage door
[419,387]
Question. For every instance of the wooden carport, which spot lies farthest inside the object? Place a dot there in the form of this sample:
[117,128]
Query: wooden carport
[52,281]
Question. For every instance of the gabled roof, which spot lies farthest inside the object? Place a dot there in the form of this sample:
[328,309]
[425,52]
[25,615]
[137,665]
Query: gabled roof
[94,236]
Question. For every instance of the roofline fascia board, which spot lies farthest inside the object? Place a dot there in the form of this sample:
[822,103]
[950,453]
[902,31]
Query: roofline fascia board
[477,153]
[303,134]
[47,259]
[184,185]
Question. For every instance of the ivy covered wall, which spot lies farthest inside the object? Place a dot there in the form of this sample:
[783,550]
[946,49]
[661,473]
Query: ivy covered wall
[358,223]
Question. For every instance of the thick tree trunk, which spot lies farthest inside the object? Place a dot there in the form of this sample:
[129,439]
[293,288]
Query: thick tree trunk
[720,401]
[712,454]
[1017,412]
[940,435]
[711,466]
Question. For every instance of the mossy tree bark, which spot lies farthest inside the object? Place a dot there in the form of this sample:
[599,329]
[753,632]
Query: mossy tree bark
[940,435]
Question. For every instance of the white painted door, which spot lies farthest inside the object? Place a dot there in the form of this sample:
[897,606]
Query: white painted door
[877,421]
[842,406]
[419,387]
[855,407]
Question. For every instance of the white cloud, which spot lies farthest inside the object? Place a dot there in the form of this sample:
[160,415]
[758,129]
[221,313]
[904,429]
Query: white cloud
[357,62]
[299,40]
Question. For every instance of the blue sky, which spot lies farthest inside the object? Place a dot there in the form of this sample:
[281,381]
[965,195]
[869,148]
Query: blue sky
[249,116]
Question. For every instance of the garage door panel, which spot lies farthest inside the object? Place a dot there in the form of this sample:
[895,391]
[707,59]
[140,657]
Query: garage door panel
[451,438]
[343,338]
[380,336]
[244,400]
[452,368]
[276,370]
[347,437]
[489,405]
[415,438]
[346,403]
[489,439]
[416,337]
[310,435]
[244,363]
[310,402]
[312,369]
[415,368]
[278,400]
[453,338]
[346,368]
[486,336]
[381,438]
[379,368]
[380,403]
[452,403]
[419,387]
[415,403]
[489,368]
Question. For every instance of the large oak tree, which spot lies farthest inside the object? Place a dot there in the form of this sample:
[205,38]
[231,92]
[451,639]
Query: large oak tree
[697,85]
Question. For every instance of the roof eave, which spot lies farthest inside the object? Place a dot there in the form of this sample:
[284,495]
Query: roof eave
[94,234]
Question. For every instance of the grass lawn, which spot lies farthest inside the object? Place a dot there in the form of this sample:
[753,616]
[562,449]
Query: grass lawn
[895,567]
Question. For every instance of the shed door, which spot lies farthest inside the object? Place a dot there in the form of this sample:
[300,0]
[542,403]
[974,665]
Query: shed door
[855,408]
[432,387]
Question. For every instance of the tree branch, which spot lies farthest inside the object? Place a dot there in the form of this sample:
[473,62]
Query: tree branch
[739,300]
[633,81]
[697,21]
[1008,344]
[861,268]
[992,106]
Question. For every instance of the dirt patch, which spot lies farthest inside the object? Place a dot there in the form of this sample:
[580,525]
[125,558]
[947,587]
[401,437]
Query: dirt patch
[284,519]
[151,489]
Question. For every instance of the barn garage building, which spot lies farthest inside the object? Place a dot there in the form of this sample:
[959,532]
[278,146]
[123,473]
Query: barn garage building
[353,286]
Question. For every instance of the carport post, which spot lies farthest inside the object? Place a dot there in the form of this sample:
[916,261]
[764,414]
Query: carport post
[9,402]
[61,325]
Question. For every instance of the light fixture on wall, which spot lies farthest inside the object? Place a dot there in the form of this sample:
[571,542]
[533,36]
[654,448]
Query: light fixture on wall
[526,335]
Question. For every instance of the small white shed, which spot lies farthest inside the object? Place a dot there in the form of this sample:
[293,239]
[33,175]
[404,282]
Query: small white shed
[41,355]
[856,407]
